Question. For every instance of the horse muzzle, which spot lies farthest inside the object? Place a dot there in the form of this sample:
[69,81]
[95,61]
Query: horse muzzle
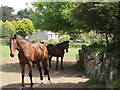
[12,55]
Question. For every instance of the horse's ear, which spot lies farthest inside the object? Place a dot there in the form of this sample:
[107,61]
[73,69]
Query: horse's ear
[15,36]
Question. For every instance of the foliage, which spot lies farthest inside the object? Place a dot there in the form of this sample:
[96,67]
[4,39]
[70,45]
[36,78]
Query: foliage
[8,29]
[52,41]
[97,47]
[75,45]
[1,27]
[14,23]
[90,83]
[64,38]
[91,37]
[5,41]
[36,40]
[80,68]
[24,27]
[96,16]
[115,83]
[49,16]
[7,13]
[24,13]
[101,17]
[114,49]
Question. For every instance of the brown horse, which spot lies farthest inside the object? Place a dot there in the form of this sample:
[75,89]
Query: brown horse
[57,51]
[30,53]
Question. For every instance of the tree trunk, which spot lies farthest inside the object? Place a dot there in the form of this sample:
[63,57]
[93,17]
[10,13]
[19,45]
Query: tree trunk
[107,41]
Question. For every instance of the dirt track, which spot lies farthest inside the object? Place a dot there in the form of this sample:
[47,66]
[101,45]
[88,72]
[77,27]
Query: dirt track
[67,78]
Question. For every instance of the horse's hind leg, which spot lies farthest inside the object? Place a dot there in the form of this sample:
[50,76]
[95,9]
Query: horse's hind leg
[30,72]
[46,69]
[57,63]
[62,62]
[23,73]
[50,61]
[40,71]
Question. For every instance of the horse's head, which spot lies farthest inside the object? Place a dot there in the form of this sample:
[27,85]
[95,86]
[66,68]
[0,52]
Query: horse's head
[66,45]
[13,45]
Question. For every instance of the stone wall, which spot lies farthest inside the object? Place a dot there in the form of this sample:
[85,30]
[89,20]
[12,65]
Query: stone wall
[100,65]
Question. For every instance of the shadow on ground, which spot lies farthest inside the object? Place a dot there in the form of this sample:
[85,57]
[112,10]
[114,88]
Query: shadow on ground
[68,67]
[17,86]
[68,72]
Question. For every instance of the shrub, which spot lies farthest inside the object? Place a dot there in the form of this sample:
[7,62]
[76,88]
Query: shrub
[5,41]
[36,40]
[52,41]
[75,45]
[64,38]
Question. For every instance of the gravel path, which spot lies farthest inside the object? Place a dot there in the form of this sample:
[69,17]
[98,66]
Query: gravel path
[67,78]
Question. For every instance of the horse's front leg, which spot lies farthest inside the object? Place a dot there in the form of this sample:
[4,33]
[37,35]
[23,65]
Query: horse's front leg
[40,71]
[62,62]
[30,72]
[23,73]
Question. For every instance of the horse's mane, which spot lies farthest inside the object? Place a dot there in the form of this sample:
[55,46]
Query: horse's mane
[63,42]
[23,40]
[50,45]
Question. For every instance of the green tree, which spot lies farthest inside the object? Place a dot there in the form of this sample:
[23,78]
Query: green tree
[24,13]
[14,23]
[1,27]
[65,38]
[24,27]
[8,29]
[101,17]
[52,16]
[7,13]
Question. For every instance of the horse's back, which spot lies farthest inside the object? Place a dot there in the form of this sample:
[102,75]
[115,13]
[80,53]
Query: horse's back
[55,50]
[50,45]
[43,49]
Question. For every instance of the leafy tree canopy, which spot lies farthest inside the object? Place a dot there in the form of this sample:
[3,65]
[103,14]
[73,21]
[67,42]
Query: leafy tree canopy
[24,13]
[7,13]
[24,27]
[52,16]
[101,17]
[8,29]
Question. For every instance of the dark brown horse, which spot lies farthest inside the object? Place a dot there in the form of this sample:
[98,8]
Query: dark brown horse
[57,51]
[30,53]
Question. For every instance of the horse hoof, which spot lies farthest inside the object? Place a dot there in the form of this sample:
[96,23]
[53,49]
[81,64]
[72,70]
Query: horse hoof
[41,82]
[31,84]
[31,88]
[22,84]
